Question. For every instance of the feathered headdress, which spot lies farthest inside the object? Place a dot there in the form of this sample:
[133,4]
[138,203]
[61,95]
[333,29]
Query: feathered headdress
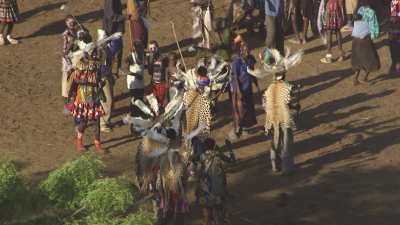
[88,48]
[217,72]
[273,62]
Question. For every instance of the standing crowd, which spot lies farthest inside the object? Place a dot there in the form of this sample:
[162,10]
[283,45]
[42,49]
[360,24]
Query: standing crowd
[90,67]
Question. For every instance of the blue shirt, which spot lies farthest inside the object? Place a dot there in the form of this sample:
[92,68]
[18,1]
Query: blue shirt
[239,74]
[274,7]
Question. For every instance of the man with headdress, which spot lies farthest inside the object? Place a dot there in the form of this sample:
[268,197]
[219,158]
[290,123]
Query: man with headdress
[85,95]
[197,104]
[280,102]
[241,92]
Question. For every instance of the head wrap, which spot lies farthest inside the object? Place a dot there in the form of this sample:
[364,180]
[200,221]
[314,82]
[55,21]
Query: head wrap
[202,81]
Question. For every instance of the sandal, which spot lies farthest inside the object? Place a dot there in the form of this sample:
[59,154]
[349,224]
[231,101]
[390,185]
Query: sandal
[327,59]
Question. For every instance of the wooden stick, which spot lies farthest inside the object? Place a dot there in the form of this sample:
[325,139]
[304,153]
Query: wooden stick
[177,43]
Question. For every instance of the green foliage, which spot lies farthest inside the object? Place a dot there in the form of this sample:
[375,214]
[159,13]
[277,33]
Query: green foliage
[108,197]
[8,180]
[68,185]
[139,218]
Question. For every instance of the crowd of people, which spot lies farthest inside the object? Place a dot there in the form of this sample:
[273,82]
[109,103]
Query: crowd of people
[90,67]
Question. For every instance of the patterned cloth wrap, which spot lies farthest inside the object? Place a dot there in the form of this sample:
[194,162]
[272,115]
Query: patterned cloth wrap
[85,95]
[395,8]
[334,17]
[369,16]
[9,12]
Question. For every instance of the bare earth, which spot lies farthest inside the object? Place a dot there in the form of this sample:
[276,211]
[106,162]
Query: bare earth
[348,167]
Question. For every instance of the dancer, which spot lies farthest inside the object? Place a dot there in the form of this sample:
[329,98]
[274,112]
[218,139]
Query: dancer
[85,96]
[9,15]
[280,102]
[364,55]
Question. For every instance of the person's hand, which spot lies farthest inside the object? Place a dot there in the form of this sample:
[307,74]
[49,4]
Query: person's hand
[70,107]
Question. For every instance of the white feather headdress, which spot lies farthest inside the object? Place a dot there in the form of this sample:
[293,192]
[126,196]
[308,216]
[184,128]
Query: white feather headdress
[281,63]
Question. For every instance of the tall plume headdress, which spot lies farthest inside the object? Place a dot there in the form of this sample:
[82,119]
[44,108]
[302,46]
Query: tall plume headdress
[274,63]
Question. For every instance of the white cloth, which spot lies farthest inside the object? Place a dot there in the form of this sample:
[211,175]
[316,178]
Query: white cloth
[202,25]
[360,30]
[64,78]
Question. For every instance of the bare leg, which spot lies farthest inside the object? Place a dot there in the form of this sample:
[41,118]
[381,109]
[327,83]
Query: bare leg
[306,23]
[339,39]
[355,78]
[9,29]
[3,27]
[329,51]
[294,24]
[273,160]
[365,79]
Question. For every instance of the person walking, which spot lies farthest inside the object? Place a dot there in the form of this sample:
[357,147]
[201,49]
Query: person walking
[9,15]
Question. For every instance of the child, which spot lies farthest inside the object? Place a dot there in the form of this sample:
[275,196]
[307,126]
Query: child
[156,67]
[364,55]
[334,20]
[211,190]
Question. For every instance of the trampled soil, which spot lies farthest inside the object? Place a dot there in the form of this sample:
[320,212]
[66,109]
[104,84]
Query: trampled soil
[348,167]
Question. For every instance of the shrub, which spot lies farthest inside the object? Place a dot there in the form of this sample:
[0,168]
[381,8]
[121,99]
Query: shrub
[8,181]
[108,197]
[139,218]
[67,186]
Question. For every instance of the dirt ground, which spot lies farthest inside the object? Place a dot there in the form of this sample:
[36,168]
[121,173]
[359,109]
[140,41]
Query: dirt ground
[347,164]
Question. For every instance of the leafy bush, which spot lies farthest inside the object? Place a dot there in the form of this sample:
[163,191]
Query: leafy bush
[68,185]
[139,218]
[8,180]
[108,197]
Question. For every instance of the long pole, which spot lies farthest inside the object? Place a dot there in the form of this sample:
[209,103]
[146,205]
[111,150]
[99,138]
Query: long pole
[177,43]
